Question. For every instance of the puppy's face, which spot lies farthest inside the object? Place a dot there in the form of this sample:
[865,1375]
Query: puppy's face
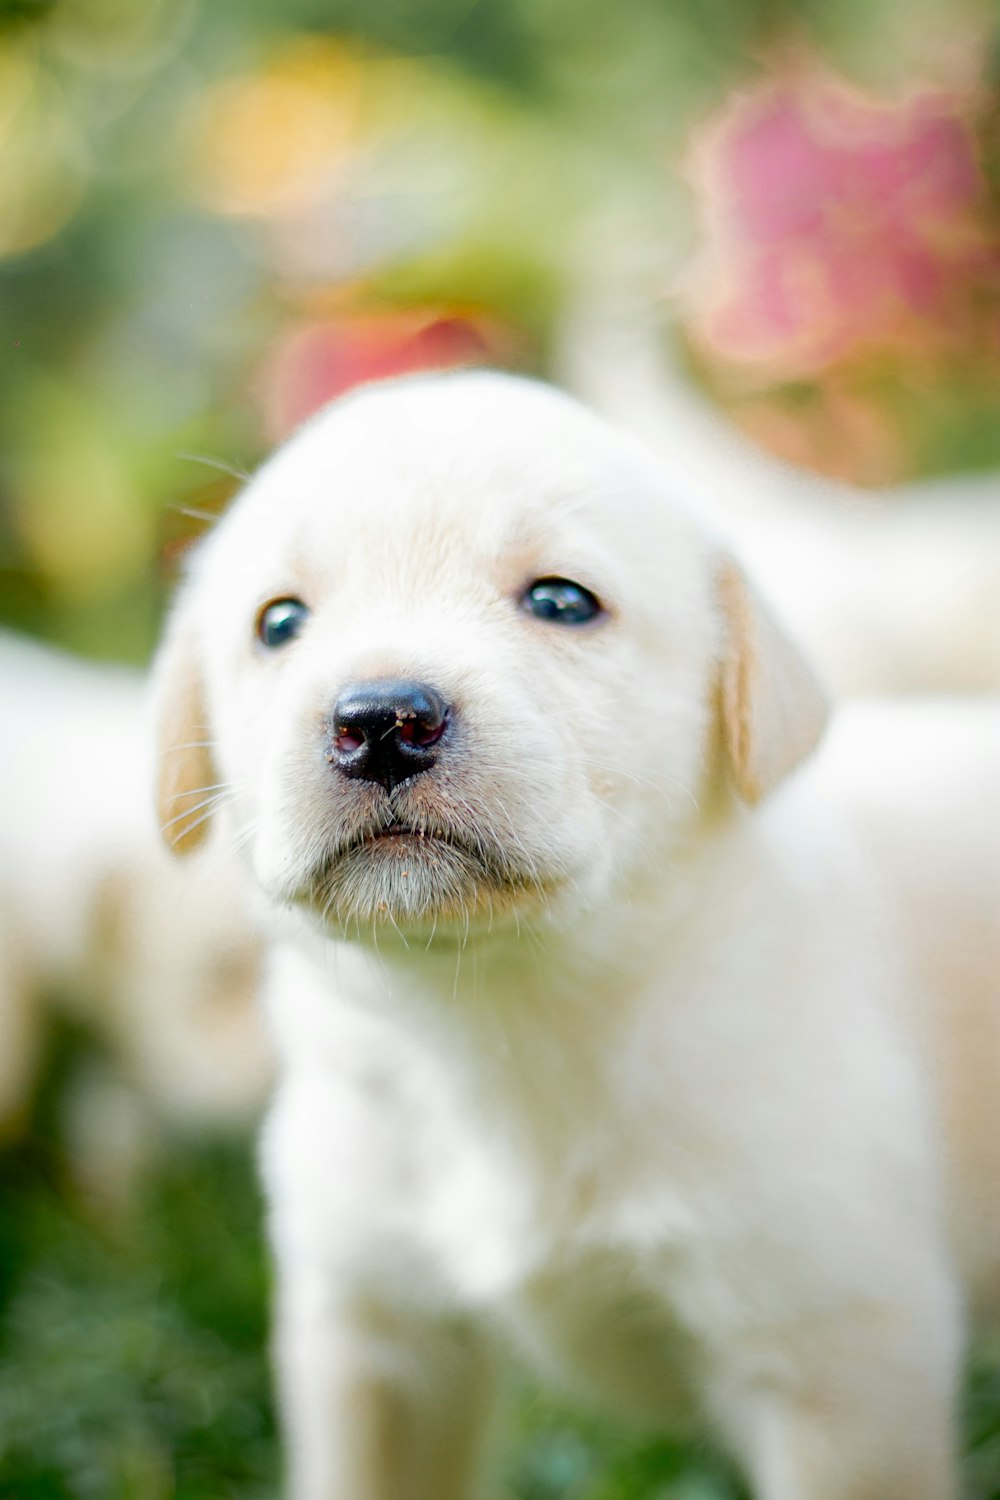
[454,654]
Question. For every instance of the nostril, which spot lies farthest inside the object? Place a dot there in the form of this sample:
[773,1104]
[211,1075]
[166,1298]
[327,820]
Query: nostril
[421,729]
[347,740]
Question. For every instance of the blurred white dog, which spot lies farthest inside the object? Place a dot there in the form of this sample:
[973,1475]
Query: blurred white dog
[160,960]
[607,1026]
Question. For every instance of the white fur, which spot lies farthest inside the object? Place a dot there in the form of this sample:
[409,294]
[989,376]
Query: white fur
[682,1111]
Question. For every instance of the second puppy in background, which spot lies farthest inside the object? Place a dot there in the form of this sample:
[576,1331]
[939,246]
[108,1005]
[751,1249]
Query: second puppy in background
[159,963]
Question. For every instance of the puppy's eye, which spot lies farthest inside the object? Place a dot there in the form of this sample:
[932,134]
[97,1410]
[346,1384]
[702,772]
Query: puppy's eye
[280,621]
[561,600]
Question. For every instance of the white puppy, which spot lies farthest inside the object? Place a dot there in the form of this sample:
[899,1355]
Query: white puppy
[159,960]
[602,1032]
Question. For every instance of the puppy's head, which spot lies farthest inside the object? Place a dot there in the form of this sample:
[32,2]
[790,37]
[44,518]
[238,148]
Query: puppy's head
[457,652]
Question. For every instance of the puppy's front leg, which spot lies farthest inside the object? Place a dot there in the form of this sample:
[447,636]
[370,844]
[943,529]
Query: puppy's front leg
[878,1425]
[377,1405]
[818,1455]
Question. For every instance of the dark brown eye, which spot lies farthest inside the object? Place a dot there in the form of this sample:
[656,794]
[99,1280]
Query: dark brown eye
[560,600]
[280,621]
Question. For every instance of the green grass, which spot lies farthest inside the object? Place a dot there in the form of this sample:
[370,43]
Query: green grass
[133,1355]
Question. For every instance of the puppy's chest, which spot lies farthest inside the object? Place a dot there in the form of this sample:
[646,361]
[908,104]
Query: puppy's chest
[562,1256]
[575,1224]
[504,1197]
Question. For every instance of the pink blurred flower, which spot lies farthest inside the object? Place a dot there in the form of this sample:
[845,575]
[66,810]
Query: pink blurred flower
[314,362]
[833,222]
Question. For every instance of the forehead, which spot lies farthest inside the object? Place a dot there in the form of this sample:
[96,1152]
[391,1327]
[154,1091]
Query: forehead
[488,456]
[439,475]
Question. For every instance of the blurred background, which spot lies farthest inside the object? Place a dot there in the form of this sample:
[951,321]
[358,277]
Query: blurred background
[764,233]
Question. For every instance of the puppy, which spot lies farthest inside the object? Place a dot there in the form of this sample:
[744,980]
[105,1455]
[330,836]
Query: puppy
[160,961]
[614,1023]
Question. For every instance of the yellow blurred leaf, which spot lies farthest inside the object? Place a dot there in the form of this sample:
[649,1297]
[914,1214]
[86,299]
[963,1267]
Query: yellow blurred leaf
[43,160]
[77,512]
[265,142]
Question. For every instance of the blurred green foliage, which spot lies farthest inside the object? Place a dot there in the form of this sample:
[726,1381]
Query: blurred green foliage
[133,1362]
[139,307]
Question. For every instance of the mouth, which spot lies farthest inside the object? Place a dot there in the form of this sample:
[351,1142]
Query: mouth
[406,874]
[398,831]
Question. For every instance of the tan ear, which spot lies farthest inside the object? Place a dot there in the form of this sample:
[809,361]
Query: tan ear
[186,774]
[772,706]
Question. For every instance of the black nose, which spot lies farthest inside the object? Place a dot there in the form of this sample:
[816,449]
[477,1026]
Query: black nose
[385,731]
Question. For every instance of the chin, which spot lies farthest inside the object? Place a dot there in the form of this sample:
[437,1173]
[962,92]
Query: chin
[415,881]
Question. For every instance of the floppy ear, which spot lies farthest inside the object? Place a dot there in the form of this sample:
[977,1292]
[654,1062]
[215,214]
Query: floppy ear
[773,708]
[186,773]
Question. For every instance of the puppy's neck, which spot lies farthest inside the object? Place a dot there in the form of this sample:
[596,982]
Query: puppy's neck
[526,1023]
